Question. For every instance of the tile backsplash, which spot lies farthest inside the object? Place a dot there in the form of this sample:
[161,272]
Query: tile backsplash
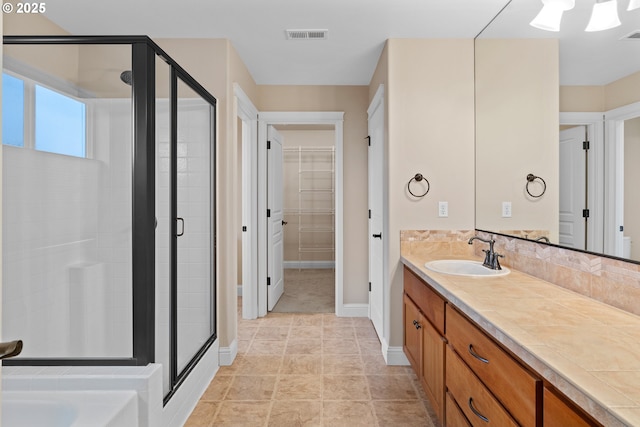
[610,281]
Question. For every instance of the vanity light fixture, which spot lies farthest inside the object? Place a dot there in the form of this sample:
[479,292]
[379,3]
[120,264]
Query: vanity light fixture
[604,15]
[549,17]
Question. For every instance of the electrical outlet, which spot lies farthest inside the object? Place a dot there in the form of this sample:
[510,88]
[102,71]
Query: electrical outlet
[506,209]
[443,209]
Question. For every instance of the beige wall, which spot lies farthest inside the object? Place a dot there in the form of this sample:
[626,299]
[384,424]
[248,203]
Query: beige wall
[517,135]
[430,128]
[616,94]
[353,100]
[631,178]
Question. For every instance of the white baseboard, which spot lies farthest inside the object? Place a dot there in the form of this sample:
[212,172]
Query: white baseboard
[239,290]
[394,355]
[228,354]
[309,264]
[353,310]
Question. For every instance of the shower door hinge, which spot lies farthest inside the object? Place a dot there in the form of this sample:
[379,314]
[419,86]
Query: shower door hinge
[244,228]
[369,213]
[585,145]
[585,213]
[268,213]
[369,138]
[369,286]
[268,281]
[268,145]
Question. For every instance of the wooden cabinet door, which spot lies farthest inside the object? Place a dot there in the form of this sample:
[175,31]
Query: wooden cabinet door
[413,334]
[557,413]
[433,348]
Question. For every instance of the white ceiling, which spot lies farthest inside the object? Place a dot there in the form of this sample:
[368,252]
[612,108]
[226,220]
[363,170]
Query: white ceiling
[357,32]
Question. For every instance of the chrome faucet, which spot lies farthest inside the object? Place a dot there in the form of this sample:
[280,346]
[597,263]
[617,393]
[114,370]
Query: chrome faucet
[491,257]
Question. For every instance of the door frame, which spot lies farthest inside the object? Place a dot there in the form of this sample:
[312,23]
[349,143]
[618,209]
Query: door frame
[595,129]
[248,114]
[614,128]
[335,118]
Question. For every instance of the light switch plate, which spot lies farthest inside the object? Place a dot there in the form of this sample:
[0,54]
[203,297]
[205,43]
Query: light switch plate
[443,209]
[506,209]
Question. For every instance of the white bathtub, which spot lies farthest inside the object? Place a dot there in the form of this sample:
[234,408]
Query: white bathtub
[69,409]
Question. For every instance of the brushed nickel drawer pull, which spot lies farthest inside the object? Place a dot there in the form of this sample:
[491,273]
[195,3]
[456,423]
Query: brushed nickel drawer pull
[474,354]
[475,411]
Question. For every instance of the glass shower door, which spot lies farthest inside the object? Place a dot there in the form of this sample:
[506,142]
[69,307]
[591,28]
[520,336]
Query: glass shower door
[194,224]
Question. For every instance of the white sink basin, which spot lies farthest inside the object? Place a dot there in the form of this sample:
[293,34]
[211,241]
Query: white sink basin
[462,267]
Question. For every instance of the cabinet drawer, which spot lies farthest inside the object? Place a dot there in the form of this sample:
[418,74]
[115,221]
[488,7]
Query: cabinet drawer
[560,414]
[476,402]
[430,303]
[454,417]
[512,384]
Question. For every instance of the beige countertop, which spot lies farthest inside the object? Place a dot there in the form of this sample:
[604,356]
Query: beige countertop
[588,350]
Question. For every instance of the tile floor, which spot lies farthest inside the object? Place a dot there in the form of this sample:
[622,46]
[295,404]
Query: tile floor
[311,370]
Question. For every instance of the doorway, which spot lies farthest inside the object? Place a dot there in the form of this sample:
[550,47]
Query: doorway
[308,186]
[255,201]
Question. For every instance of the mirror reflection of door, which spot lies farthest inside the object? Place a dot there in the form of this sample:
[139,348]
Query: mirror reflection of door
[631,230]
[573,187]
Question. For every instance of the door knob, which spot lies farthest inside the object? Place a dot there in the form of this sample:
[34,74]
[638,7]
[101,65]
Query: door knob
[377,236]
[284,223]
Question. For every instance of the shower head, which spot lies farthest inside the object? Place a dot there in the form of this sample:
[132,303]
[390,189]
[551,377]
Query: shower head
[125,76]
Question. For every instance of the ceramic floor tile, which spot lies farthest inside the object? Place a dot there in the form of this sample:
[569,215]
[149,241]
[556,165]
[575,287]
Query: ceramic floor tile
[304,346]
[345,387]
[342,364]
[339,346]
[242,414]
[252,387]
[203,414]
[272,333]
[217,388]
[299,387]
[405,414]
[347,414]
[266,347]
[310,370]
[259,365]
[391,387]
[301,364]
[296,414]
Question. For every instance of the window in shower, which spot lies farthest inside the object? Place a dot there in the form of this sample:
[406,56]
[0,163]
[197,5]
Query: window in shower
[56,121]
[60,123]
[12,111]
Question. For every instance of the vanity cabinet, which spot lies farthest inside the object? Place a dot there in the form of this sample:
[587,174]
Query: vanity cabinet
[424,344]
[514,387]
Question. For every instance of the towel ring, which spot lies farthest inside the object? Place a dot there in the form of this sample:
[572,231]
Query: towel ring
[530,178]
[417,178]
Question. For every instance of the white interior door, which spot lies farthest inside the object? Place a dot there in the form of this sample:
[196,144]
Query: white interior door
[275,186]
[572,187]
[376,223]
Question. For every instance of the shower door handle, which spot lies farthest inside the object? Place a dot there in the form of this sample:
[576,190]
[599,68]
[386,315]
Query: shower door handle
[377,236]
[181,233]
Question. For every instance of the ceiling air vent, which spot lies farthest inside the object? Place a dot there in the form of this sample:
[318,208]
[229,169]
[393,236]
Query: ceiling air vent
[307,34]
[634,35]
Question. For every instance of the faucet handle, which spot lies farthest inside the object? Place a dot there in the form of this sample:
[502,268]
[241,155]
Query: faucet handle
[497,261]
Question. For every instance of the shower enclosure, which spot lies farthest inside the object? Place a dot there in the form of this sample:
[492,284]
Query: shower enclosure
[109,205]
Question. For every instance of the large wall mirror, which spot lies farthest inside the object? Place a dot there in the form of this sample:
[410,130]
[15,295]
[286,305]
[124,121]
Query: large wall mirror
[539,96]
